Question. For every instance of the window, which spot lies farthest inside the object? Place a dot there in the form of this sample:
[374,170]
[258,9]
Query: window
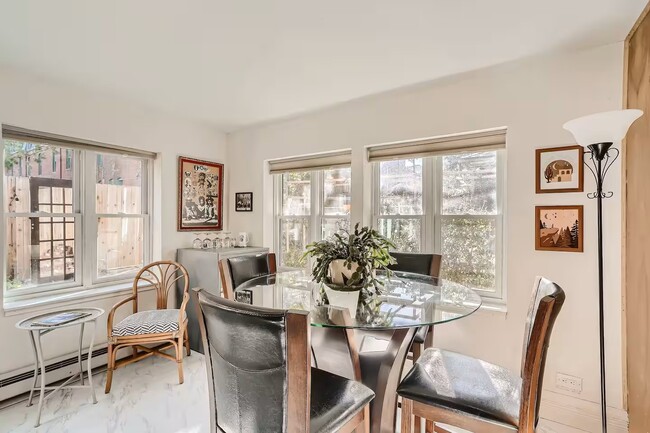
[68,159]
[120,215]
[451,204]
[310,205]
[400,215]
[79,227]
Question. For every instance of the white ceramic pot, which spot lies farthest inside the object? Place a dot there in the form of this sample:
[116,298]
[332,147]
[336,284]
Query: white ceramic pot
[341,299]
[337,270]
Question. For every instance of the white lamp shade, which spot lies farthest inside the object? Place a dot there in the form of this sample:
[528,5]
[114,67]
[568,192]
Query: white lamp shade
[607,127]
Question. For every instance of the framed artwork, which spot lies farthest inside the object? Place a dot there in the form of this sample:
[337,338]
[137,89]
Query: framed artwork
[243,202]
[559,228]
[244,296]
[559,169]
[200,189]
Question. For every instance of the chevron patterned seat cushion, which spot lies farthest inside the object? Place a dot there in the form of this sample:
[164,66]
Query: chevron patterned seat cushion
[148,322]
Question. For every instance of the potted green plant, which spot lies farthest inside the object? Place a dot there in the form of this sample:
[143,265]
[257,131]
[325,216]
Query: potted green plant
[347,262]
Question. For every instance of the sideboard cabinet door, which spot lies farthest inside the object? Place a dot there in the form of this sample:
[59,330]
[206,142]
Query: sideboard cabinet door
[203,268]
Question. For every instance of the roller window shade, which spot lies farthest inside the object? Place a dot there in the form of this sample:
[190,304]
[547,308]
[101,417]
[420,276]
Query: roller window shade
[21,134]
[479,141]
[321,161]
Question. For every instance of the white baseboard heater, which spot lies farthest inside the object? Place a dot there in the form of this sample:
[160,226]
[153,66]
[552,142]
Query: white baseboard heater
[17,383]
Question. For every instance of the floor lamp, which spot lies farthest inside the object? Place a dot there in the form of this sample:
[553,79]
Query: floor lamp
[598,133]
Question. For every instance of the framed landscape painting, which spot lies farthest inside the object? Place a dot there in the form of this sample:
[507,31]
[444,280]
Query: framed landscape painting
[559,228]
[559,169]
[200,188]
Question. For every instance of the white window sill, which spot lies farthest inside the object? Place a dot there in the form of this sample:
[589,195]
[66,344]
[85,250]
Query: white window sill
[497,306]
[46,302]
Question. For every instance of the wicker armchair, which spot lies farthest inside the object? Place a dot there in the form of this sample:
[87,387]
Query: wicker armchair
[168,327]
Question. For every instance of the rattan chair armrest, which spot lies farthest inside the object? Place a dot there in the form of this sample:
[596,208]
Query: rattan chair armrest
[181,312]
[111,314]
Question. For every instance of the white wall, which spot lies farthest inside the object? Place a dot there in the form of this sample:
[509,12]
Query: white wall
[30,102]
[533,98]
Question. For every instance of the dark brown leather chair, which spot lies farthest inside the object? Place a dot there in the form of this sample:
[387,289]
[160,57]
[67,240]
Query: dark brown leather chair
[423,264]
[260,377]
[417,263]
[475,395]
[237,270]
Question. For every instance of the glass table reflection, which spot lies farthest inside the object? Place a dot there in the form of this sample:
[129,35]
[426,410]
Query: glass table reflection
[393,313]
[405,301]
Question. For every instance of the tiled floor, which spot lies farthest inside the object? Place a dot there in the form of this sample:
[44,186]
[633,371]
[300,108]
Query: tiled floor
[145,398]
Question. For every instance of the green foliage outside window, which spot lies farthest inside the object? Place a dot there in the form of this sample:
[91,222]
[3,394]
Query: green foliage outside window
[469,253]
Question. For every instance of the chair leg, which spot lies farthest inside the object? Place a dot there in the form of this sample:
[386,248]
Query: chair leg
[179,358]
[366,419]
[416,348]
[109,369]
[440,429]
[187,343]
[407,415]
[364,425]
[429,426]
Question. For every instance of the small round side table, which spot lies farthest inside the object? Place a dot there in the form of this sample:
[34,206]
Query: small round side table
[36,331]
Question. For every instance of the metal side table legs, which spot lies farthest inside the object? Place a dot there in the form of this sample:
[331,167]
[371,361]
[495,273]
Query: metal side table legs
[39,367]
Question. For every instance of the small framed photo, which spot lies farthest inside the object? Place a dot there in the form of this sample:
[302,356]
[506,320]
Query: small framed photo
[244,296]
[243,202]
[559,228]
[559,169]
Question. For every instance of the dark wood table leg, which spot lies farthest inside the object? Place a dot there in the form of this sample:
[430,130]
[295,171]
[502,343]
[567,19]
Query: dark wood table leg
[381,370]
[428,342]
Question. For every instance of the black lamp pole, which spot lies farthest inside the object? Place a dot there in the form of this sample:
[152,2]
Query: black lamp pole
[598,160]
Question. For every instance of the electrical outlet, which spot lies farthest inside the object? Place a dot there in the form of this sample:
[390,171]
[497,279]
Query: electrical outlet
[569,383]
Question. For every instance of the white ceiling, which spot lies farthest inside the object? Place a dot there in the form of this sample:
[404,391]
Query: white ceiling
[238,62]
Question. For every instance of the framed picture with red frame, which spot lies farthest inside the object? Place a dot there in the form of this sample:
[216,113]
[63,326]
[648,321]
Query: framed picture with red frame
[200,195]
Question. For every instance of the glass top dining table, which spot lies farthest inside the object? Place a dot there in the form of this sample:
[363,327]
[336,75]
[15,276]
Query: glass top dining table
[404,300]
[392,315]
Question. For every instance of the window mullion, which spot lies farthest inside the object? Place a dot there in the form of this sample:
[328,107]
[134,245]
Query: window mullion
[77,207]
[374,202]
[500,224]
[316,206]
[3,220]
[89,218]
[148,223]
[430,205]
[277,210]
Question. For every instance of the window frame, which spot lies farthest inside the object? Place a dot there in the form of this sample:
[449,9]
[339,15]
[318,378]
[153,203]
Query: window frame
[91,231]
[432,217]
[424,217]
[316,217]
[47,288]
[84,214]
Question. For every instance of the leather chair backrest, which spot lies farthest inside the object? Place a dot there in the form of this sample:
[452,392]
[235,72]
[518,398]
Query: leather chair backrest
[424,264]
[547,301]
[247,363]
[244,268]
